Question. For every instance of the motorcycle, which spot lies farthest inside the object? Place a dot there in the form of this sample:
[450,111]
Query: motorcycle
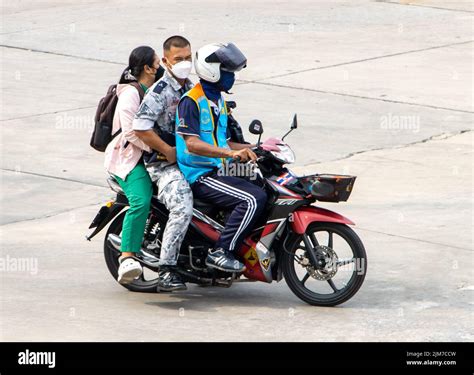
[321,258]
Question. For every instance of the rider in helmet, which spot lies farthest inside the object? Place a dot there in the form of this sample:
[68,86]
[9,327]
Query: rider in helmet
[204,147]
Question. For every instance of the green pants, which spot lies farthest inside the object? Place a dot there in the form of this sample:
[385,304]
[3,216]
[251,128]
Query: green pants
[138,189]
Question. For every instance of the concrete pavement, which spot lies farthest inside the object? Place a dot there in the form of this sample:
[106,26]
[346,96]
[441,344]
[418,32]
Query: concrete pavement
[383,90]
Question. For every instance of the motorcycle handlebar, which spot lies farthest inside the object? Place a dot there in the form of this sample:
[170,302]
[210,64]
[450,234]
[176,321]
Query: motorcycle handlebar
[238,159]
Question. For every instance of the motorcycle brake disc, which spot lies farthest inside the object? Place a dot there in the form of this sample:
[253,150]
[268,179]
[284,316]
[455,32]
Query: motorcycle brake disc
[329,269]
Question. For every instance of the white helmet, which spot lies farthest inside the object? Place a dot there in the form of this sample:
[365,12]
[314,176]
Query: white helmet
[212,57]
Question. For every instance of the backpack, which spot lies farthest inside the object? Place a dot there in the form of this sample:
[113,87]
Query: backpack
[104,116]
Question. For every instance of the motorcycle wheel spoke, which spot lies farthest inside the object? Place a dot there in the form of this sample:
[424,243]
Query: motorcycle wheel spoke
[332,285]
[305,278]
[330,239]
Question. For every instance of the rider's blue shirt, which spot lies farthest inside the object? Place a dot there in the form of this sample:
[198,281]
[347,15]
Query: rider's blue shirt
[188,114]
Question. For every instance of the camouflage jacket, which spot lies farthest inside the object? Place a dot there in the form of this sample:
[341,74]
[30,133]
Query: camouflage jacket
[158,110]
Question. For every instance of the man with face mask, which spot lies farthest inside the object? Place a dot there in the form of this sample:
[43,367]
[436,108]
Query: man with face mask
[154,124]
[203,147]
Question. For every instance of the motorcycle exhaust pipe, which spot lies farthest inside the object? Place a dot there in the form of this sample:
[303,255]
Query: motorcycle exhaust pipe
[115,241]
[198,279]
[146,260]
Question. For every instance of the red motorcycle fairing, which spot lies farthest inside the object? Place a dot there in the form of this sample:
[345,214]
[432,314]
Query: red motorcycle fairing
[253,265]
[304,216]
[257,267]
[259,259]
[206,229]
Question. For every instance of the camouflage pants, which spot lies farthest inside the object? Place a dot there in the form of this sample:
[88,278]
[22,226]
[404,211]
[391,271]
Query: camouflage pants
[175,193]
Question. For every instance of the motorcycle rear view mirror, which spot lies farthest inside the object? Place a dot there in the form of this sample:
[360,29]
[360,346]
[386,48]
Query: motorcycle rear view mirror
[293,126]
[256,127]
[231,104]
[294,123]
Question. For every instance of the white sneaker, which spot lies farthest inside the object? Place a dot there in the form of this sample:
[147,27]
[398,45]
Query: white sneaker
[129,270]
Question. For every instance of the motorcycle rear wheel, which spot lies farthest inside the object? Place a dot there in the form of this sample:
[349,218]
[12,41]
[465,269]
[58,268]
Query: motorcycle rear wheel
[111,256]
[290,266]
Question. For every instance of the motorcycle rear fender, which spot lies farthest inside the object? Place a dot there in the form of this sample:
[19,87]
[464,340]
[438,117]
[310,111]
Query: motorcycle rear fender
[304,216]
[120,203]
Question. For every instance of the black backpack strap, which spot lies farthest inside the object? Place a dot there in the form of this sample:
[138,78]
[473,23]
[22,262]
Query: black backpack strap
[141,92]
[116,133]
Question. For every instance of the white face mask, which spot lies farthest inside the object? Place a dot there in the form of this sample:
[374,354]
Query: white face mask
[182,69]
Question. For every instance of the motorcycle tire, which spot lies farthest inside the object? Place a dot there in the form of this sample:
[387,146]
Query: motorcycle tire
[111,256]
[319,299]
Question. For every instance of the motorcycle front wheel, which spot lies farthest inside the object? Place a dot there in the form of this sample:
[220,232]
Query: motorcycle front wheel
[339,272]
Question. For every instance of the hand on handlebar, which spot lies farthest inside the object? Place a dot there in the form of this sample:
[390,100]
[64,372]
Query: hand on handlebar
[243,155]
